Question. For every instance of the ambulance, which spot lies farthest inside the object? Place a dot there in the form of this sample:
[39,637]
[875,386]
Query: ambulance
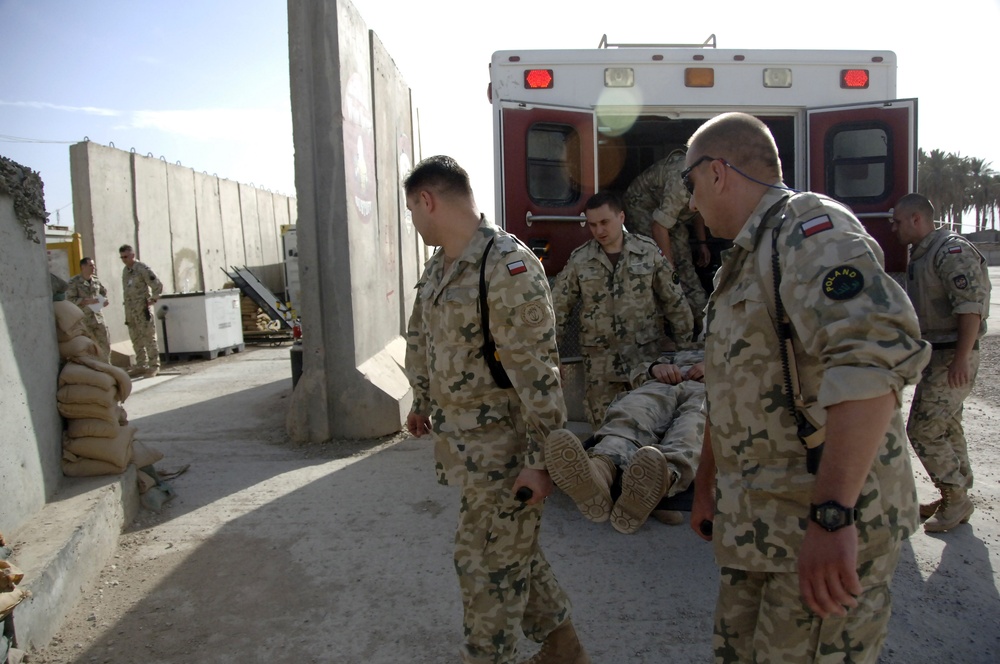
[568,123]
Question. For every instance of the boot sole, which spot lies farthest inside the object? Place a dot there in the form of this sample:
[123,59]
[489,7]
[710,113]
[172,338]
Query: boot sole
[943,528]
[570,469]
[644,482]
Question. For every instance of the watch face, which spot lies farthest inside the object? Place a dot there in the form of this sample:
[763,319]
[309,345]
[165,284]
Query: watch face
[830,515]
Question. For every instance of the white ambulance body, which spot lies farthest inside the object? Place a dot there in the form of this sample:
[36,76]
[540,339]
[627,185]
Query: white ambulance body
[568,123]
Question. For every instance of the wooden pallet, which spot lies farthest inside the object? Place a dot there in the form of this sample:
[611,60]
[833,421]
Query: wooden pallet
[201,355]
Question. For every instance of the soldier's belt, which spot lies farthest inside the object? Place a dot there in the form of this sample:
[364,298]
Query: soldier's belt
[951,345]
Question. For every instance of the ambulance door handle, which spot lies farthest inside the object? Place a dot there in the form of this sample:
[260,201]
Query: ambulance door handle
[531,218]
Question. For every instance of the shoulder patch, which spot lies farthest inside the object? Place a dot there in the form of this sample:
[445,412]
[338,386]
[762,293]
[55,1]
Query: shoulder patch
[955,249]
[843,283]
[816,225]
[516,267]
[961,282]
[532,314]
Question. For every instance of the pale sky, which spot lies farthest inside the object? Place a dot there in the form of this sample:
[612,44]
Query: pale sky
[206,83]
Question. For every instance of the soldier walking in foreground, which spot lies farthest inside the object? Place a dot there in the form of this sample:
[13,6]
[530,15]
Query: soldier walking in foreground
[806,543]
[949,284]
[488,422]
[140,290]
[86,291]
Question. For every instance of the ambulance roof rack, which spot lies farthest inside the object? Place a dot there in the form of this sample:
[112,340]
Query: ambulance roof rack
[708,43]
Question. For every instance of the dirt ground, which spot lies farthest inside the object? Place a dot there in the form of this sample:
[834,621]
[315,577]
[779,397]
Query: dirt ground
[274,553]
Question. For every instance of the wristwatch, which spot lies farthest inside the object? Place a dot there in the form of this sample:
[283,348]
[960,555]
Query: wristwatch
[832,516]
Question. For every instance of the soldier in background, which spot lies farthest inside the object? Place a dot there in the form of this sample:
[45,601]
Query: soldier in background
[140,290]
[626,290]
[656,206]
[650,440]
[488,428]
[948,282]
[86,291]
[806,544]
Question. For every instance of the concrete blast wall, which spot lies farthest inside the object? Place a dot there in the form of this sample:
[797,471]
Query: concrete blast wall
[358,252]
[186,226]
[31,442]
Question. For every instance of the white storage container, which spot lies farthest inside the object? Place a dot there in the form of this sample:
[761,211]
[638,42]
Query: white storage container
[199,323]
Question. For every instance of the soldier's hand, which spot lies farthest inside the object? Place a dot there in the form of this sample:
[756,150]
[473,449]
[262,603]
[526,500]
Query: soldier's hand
[704,255]
[828,575]
[537,480]
[959,372]
[667,373]
[696,372]
[418,425]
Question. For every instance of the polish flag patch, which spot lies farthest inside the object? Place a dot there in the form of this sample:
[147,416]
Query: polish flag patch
[817,225]
[517,267]
[954,250]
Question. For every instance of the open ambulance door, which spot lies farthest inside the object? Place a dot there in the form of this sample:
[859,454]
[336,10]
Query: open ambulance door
[865,156]
[548,172]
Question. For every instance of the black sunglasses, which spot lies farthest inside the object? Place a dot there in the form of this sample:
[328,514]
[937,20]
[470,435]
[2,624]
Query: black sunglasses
[685,174]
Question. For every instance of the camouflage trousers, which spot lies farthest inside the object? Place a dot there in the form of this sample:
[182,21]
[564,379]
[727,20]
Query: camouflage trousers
[760,617]
[667,417]
[98,331]
[935,423]
[599,393]
[507,585]
[143,335]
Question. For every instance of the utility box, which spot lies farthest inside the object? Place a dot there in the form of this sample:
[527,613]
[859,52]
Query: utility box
[203,324]
[290,249]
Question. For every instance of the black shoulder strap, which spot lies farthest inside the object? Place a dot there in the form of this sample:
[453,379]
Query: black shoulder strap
[805,429]
[489,347]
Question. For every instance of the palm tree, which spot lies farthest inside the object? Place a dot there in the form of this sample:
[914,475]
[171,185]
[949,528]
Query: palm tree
[957,185]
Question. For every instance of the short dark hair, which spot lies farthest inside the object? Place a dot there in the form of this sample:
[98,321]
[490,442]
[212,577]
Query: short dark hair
[609,198]
[916,203]
[85,260]
[440,173]
[124,247]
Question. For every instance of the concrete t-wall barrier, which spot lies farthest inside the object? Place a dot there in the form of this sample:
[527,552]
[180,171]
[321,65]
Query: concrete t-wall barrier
[186,226]
[29,357]
[349,244]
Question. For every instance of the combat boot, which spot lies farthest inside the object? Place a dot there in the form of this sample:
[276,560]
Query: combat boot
[645,482]
[585,479]
[955,509]
[561,646]
[669,517]
[927,509]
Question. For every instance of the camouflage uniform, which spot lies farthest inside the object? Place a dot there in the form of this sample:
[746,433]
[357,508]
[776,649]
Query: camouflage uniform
[484,435]
[622,313]
[139,285]
[946,277]
[670,418]
[80,289]
[855,337]
[658,196]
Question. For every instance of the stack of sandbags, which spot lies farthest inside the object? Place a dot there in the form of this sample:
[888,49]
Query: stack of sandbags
[254,318]
[10,597]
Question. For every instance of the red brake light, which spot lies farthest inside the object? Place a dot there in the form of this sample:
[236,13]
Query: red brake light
[538,79]
[854,78]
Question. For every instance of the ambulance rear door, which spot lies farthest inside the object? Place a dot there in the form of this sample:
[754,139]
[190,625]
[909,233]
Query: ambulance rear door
[865,156]
[548,172]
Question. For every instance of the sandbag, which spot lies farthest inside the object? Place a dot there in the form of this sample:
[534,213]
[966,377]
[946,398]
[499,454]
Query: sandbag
[121,415]
[10,576]
[9,600]
[145,481]
[116,451]
[78,347]
[74,466]
[92,429]
[120,376]
[84,411]
[87,394]
[145,455]
[68,319]
[78,374]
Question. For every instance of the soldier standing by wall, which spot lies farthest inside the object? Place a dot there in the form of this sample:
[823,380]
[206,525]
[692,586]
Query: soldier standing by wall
[656,206]
[949,284]
[626,290]
[488,437]
[140,290]
[806,545]
[85,290]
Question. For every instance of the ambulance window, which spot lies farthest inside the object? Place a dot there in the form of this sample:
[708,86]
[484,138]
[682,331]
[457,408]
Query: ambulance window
[860,168]
[553,164]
